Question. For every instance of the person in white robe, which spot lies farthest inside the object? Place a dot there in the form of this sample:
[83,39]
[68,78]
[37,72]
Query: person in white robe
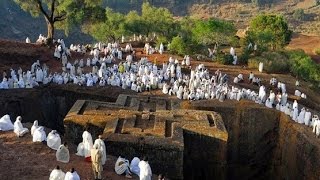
[283,87]
[278,107]
[6,123]
[121,167]
[297,93]
[251,76]
[102,147]
[39,135]
[134,166]
[314,117]
[18,127]
[295,104]
[316,127]
[57,53]
[301,116]
[188,60]
[161,48]
[232,51]
[84,148]
[28,41]
[284,98]
[57,174]
[54,140]
[295,114]
[236,80]
[307,117]
[145,169]
[268,103]
[62,153]
[235,60]
[260,66]
[34,126]
[72,175]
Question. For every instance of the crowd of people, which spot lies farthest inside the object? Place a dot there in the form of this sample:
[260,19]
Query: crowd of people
[94,152]
[97,152]
[110,67]
[201,85]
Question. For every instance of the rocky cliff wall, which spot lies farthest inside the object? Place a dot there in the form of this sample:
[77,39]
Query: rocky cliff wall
[297,155]
[266,144]
[252,132]
[49,105]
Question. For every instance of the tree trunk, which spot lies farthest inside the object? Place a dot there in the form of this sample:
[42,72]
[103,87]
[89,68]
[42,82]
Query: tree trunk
[50,29]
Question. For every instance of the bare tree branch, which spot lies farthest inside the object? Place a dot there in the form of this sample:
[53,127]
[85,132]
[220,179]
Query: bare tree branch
[60,18]
[40,7]
[52,9]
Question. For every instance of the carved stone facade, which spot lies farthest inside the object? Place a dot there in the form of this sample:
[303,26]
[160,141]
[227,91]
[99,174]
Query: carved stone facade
[174,139]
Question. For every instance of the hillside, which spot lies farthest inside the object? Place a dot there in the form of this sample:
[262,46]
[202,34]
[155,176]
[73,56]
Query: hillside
[17,25]
[241,13]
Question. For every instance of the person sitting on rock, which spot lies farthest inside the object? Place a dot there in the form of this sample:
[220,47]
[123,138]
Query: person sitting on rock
[134,166]
[62,153]
[39,135]
[54,140]
[5,123]
[84,148]
[122,167]
[34,127]
[72,175]
[57,174]
[18,127]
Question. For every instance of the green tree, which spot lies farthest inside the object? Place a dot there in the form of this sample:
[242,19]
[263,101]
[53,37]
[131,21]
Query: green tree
[178,46]
[111,29]
[158,20]
[213,31]
[64,13]
[269,31]
[135,24]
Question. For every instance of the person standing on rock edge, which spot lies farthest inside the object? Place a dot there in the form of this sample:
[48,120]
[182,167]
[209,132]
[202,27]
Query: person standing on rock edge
[96,158]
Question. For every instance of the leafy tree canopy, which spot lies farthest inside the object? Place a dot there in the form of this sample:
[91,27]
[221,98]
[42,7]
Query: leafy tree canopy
[63,13]
[151,20]
[270,31]
[213,31]
[111,29]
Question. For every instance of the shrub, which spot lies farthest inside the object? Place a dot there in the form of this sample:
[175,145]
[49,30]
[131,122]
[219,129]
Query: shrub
[224,59]
[243,58]
[317,51]
[273,62]
[178,46]
[254,62]
[303,66]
